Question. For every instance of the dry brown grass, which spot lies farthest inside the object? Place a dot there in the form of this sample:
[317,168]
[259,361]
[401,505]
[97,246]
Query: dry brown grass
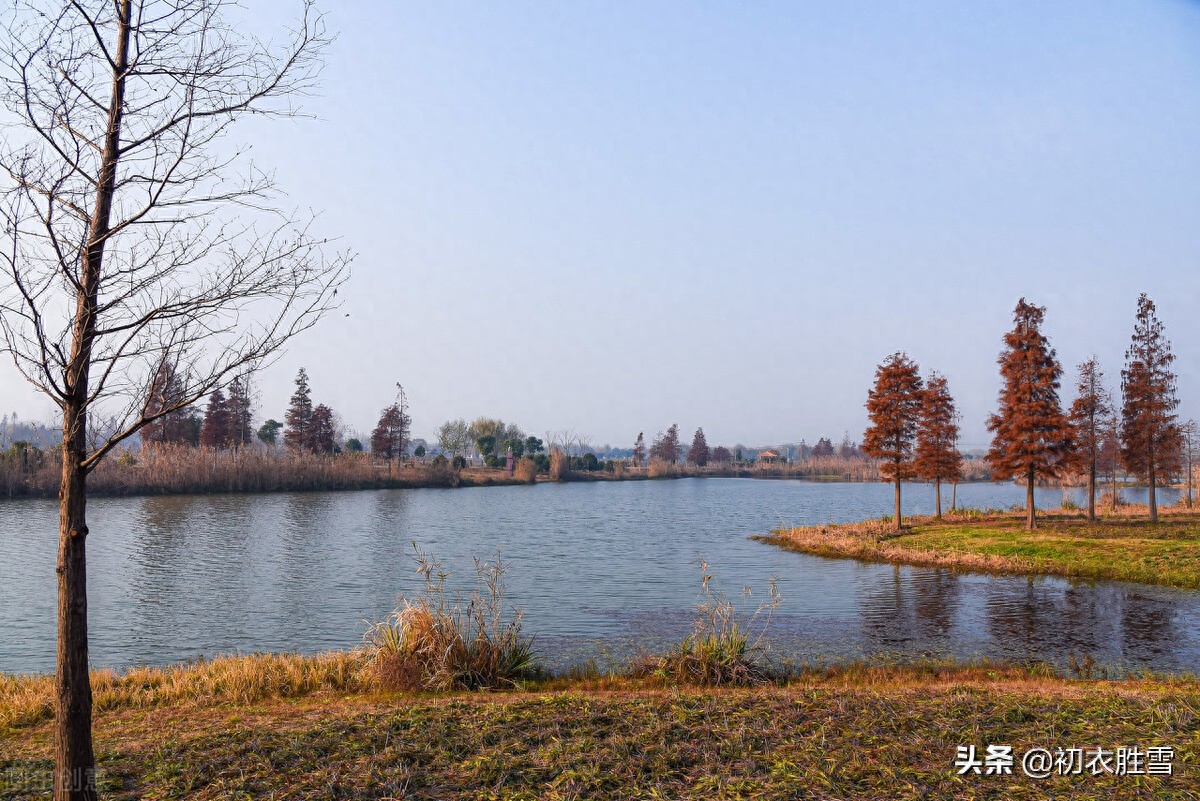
[25,700]
[850,734]
[525,470]
[437,642]
[167,469]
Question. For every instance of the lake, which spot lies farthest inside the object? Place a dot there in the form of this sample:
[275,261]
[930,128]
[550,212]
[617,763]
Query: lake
[603,570]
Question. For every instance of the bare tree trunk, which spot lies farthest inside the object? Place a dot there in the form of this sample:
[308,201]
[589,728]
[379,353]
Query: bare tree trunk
[1030,511]
[74,776]
[1153,500]
[1092,491]
[897,498]
[937,495]
[954,496]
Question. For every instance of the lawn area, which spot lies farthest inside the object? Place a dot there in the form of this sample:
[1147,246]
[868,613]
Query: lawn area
[865,734]
[1123,548]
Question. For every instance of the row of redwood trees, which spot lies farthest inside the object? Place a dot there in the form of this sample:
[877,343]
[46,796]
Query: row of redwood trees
[913,425]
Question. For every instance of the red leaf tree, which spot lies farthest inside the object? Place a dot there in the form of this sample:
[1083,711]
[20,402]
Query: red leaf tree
[894,407]
[698,454]
[937,457]
[1030,434]
[1149,433]
[390,438]
[667,446]
[1092,407]
[215,431]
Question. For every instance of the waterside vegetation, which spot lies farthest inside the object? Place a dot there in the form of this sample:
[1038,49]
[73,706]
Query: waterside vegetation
[1123,546]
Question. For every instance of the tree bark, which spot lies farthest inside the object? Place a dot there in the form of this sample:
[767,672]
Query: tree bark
[73,756]
[954,496]
[1153,500]
[937,495]
[1030,511]
[1092,491]
[897,497]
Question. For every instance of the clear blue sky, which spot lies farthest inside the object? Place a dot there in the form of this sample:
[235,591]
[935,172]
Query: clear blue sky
[614,216]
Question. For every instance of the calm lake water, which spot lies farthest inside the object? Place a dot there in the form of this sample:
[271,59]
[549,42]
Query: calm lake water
[603,570]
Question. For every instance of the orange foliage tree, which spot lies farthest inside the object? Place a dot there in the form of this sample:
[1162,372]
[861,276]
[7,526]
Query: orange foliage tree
[937,457]
[1149,433]
[1092,407]
[1030,434]
[894,407]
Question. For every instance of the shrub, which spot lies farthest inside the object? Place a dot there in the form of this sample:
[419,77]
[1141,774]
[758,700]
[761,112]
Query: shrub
[720,650]
[432,642]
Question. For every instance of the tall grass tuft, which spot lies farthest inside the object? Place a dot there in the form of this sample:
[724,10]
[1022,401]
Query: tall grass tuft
[434,642]
[721,650]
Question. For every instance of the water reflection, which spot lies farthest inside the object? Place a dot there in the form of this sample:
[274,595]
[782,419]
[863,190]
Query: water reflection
[603,571]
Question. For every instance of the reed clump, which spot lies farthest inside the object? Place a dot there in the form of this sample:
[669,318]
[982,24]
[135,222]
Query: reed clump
[525,470]
[440,643]
[659,468]
[560,466]
[723,649]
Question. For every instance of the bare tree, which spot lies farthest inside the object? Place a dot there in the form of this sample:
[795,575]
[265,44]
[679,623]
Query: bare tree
[1093,404]
[134,237]
[1189,443]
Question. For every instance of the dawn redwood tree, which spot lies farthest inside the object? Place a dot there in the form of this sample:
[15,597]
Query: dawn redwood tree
[722,455]
[937,458]
[322,430]
[214,433]
[894,407]
[166,390]
[824,447]
[639,450]
[389,440]
[698,454]
[1150,435]
[298,418]
[131,239]
[240,407]
[667,446]
[1030,434]
[1092,406]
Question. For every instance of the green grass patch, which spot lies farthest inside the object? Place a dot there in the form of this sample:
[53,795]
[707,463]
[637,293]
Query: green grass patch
[1120,548]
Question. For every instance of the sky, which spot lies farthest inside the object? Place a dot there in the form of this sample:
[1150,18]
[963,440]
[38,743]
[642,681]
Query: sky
[614,216]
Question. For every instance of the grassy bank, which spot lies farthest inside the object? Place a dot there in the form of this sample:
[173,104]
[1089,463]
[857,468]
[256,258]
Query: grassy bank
[302,728]
[1123,547]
